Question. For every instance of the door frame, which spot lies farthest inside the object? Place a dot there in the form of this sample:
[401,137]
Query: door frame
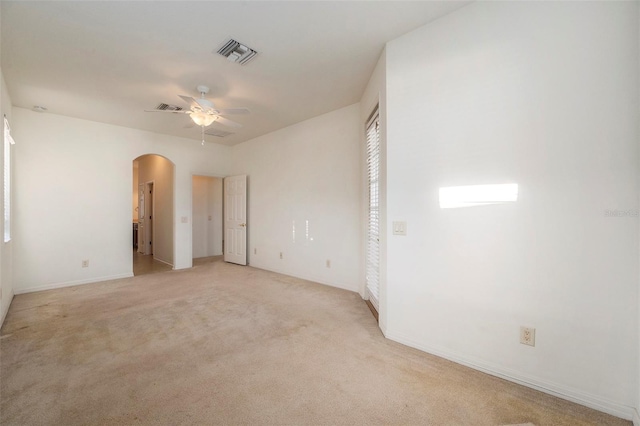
[171,213]
[246,218]
[375,302]
[148,248]
[205,174]
[141,228]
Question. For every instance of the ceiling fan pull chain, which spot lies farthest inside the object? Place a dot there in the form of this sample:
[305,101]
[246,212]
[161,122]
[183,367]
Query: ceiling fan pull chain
[202,127]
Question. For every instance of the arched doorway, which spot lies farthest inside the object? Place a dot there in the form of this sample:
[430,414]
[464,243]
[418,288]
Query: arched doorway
[152,212]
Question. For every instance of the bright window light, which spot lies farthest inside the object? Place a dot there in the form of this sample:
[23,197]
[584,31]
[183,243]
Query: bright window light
[452,197]
[8,141]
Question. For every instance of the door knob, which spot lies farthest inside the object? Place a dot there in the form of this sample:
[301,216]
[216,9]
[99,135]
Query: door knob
[243,224]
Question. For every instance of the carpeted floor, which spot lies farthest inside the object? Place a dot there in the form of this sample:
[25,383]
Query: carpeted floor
[226,344]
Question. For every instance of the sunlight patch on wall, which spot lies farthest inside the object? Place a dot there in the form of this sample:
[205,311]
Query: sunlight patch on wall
[452,197]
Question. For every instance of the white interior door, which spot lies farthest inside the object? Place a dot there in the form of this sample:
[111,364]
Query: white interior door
[235,219]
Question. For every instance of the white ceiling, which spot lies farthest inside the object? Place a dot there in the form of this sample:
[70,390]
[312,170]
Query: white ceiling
[109,61]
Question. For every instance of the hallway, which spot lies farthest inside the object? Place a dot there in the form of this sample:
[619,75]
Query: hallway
[146,264]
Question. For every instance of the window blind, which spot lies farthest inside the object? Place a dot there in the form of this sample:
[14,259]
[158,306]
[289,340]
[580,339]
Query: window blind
[373,220]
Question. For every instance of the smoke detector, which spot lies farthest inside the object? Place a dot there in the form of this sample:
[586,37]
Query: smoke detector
[237,52]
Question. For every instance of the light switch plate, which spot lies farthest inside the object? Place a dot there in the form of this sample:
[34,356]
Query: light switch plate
[399,228]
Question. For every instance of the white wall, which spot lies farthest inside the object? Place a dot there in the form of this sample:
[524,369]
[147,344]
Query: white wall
[207,216]
[545,95]
[6,250]
[160,171]
[73,196]
[307,174]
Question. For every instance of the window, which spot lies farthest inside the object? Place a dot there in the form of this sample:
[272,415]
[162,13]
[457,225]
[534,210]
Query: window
[8,141]
[373,219]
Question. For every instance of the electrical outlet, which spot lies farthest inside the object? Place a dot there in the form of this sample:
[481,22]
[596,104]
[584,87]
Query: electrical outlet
[280,255]
[528,336]
[328,263]
[85,263]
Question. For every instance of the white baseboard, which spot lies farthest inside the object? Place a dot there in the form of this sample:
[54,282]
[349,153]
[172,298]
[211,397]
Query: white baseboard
[309,278]
[163,261]
[573,395]
[383,327]
[73,283]
[636,417]
[4,312]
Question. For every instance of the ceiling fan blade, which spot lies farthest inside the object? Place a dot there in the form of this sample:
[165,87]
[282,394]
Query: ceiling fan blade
[233,111]
[205,104]
[191,101]
[227,122]
[167,110]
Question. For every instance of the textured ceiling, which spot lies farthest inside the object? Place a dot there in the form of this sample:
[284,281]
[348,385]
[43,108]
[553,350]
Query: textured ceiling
[109,61]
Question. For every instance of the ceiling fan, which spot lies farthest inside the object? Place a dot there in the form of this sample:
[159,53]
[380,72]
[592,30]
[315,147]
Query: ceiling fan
[204,113]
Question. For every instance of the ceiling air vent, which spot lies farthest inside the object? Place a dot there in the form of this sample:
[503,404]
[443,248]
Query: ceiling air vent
[237,52]
[167,107]
[218,133]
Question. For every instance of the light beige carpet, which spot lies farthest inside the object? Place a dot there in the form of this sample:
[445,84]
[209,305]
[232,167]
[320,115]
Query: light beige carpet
[226,344]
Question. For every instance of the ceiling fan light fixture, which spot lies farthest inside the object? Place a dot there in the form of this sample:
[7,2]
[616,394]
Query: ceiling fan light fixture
[202,119]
